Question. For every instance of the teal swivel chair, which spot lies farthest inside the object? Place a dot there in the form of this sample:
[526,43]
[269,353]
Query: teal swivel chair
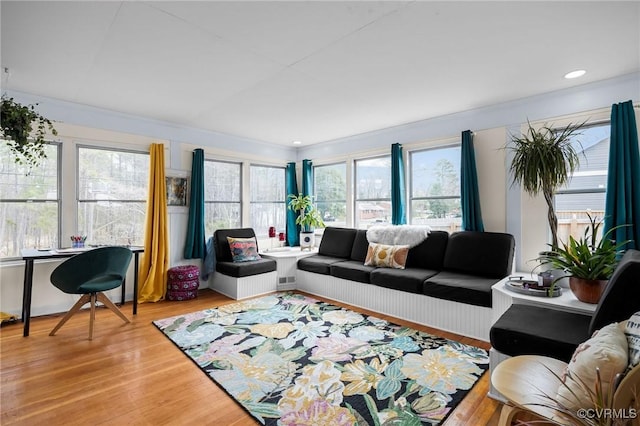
[89,274]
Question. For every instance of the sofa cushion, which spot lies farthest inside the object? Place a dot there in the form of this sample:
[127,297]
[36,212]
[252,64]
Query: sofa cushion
[360,246]
[243,249]
[337,242]
[318,263]
[459,287]
[353,270]
[606,352]
[486,254]
[430,253]
[533,330]
[221,245]
[409,279]
[245,269]
[386,256]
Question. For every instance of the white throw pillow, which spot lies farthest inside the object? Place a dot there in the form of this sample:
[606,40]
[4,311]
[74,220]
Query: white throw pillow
[632,331]
[606,350]
[386,256]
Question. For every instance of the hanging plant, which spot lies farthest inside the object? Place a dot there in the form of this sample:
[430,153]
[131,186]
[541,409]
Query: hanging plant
[25,130]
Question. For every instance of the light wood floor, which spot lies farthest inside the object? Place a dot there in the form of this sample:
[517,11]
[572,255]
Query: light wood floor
[130,374]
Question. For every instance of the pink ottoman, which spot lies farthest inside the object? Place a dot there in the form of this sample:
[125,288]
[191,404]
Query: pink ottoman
[183,282]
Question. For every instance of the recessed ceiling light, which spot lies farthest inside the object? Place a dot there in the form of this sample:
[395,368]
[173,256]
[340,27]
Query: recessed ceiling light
[297,142]
[575,74]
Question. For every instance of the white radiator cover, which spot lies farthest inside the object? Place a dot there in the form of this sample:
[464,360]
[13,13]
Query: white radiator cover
[468,320]
[241,288]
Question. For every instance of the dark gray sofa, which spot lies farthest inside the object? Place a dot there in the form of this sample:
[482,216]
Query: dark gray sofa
[460,267]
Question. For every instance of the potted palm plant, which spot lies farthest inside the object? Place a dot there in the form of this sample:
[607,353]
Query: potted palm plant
[308,218]
[543,160]
[589,263]
[24,130]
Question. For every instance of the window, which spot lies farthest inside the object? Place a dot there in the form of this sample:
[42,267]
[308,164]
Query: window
[586,190]
[29,203]
[222,200]
[373,191]
[435,188]
[268,195]
[112,195]
[330,189]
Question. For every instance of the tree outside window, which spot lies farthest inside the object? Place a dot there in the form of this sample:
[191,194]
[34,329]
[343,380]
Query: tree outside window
[268,199]
[112,195]
[222,195]
[435,188]
[330,190]
[373,191]
[29,203]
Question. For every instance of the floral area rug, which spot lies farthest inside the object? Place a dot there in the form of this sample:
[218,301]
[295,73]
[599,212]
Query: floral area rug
[292,360]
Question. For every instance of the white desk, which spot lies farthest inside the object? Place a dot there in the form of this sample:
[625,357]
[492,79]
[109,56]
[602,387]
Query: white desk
[287,260]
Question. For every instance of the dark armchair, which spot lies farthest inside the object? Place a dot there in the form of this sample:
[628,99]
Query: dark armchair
[90,274]
[534,330]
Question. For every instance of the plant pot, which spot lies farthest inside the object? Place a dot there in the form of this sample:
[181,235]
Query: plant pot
[587,291]
[307,240]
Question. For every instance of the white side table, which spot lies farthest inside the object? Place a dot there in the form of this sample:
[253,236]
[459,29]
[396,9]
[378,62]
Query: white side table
[287,260]
[502,298]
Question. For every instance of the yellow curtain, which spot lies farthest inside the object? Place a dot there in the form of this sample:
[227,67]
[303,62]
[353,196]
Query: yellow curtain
[154,265]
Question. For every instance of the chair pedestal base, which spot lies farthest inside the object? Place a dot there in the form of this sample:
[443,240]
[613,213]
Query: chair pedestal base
[90,298]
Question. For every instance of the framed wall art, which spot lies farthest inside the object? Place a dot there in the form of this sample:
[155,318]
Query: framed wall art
[176,191]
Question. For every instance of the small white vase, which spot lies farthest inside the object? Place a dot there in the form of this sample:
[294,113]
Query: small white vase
[307,240]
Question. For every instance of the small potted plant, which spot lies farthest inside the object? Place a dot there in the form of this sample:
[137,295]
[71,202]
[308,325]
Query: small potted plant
[308,218]
[25,130]
[588,263]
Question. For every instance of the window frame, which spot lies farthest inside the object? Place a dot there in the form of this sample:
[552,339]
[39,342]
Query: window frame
[346,186]
[283,201]
[239,202]
[58,200]
[561,191]
[411,198]
[78,200]
[582,191]
[356,199]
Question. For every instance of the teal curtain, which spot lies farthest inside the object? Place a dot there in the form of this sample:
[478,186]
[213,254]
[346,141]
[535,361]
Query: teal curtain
[469,195]
[293,230]
[307,177]
[398,193]
[623,178]
[195,245]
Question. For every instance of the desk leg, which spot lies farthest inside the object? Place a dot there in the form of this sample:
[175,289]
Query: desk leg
[135,283]
[26,295]
[124,291]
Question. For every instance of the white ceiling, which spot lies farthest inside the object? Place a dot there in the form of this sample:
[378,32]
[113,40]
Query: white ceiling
[309,71]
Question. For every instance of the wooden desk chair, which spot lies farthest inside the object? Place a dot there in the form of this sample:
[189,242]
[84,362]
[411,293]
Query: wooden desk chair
[525,380]
[90,273]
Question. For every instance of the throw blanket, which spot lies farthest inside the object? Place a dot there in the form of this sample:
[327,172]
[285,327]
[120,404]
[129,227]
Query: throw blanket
[209,263]
[408,235]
